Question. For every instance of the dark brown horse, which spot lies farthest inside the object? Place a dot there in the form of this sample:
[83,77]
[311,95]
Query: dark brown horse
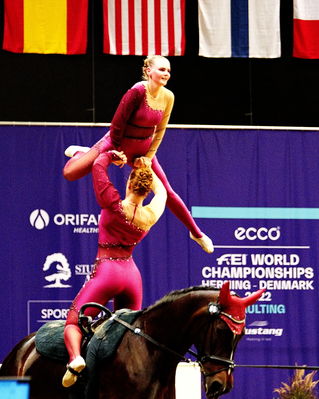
[143,368]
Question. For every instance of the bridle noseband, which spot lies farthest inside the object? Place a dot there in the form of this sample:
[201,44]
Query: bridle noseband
[229,365]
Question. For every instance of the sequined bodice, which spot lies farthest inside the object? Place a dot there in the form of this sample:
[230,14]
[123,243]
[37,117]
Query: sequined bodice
[139,114]
[114,228]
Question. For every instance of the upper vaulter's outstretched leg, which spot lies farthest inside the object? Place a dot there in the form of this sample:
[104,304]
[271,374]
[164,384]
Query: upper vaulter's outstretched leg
[178,207]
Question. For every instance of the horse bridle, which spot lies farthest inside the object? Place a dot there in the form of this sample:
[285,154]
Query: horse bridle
[229,364]
[213,309]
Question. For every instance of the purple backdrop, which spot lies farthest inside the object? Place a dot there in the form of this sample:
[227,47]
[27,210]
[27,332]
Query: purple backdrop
[255,192]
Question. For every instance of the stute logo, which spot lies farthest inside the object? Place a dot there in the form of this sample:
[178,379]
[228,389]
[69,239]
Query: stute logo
[60,270]
[39,219]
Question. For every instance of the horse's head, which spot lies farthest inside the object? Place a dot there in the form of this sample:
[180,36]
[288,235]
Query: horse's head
[219,342]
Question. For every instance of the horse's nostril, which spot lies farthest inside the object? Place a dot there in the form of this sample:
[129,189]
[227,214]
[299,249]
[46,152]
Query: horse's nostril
[215,389]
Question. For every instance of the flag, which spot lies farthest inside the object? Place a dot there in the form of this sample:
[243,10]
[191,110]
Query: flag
[306,29]
[239,28]
[45,26]
[144,27]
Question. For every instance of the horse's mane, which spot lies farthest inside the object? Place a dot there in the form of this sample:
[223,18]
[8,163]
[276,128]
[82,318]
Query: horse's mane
[176,294]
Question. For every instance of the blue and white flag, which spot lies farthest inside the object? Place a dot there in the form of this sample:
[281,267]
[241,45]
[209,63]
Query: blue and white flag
[239,28]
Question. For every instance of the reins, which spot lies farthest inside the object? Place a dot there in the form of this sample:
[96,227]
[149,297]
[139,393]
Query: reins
[274,366]
[229,364]
[137,331]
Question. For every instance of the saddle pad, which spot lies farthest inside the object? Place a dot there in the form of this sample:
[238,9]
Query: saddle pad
[49,341]
[108,336]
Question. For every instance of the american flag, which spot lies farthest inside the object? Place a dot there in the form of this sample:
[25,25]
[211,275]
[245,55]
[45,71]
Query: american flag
[144,27]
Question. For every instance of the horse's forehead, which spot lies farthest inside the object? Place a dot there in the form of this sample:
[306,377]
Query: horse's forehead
[211,295]
[205,297]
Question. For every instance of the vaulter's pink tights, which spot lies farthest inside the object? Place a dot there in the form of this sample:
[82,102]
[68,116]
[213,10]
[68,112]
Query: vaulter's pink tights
[81,164]
[117,279]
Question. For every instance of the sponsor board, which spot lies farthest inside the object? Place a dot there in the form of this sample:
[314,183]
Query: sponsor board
[40,312]
[82,223]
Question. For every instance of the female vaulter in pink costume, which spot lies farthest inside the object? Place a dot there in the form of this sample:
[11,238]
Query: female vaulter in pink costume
[137,128]
[122,225]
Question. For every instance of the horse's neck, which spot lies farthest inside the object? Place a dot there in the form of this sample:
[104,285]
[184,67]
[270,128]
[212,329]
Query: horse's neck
[178,321]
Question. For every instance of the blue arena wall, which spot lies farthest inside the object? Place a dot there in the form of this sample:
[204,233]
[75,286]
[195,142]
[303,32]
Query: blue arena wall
[255,191]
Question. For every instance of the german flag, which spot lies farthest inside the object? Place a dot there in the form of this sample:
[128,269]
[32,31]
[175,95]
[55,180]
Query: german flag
[45,26]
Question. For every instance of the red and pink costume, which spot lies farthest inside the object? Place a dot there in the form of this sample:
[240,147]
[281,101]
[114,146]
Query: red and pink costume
[137,128]
[115,274]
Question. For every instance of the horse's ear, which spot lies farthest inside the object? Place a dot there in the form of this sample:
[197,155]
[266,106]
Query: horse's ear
[253,297]
[224,294]
[226,299]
